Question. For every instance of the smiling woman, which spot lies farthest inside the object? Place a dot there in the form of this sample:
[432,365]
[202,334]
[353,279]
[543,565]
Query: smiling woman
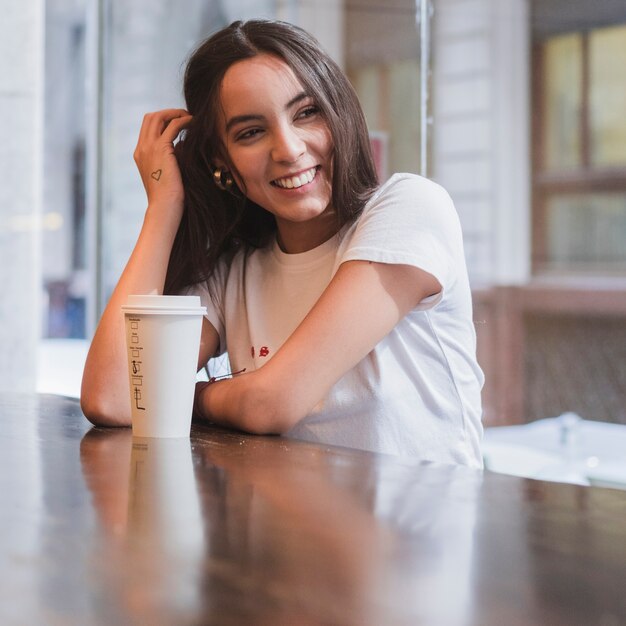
[280,150]
[345,304]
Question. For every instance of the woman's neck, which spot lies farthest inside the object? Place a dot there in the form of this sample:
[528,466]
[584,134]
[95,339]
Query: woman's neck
[298,237]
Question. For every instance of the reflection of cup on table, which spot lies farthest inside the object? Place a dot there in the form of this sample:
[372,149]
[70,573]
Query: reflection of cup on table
[163,504]
[165,543]
[163,343]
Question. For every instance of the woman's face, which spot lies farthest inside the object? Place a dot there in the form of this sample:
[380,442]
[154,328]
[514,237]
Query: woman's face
[281,149]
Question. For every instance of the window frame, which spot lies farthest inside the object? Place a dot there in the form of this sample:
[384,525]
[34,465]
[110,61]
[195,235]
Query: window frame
[585,179]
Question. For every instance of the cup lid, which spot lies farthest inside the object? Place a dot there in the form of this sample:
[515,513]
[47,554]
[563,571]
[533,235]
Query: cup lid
[165,302]
[181,305]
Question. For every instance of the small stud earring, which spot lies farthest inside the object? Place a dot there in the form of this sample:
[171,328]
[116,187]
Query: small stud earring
[223,180]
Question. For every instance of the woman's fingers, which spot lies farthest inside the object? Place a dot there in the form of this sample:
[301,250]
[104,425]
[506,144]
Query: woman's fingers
[174,127]
[160,120]
[154,124]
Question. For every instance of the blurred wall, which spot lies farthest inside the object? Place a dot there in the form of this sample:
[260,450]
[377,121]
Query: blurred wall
[481,114]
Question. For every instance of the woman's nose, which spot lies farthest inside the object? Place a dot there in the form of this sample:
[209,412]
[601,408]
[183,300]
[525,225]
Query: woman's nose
[288,146]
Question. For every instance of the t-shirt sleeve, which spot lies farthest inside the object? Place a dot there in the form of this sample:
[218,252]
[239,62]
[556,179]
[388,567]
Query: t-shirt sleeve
[410,221]
[212,294]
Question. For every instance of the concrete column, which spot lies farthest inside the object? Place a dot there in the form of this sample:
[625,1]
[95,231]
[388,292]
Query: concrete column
[21,105]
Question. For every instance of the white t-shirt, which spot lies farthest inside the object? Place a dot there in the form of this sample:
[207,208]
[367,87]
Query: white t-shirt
[417,392]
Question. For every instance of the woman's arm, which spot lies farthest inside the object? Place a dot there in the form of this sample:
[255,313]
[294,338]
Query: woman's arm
[362,304]
[105,392]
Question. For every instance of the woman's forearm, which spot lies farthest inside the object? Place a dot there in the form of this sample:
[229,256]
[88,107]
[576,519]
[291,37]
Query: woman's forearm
[105,397]
[104,392]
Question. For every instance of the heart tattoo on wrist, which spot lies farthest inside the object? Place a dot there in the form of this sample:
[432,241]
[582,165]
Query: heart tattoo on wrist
[156,174]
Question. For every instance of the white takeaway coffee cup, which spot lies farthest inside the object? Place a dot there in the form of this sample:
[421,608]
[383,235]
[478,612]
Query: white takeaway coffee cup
[163,344]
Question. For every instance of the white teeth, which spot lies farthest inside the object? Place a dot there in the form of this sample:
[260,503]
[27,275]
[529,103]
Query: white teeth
[296,181]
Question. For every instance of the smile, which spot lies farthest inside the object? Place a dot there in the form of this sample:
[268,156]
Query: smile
[293,182]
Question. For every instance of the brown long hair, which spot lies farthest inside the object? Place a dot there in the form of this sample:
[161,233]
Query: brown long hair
[216,222]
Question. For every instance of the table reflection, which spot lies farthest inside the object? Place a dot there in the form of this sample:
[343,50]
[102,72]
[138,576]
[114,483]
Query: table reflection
[282,532]
[146,497]
[295,539]
[226,528]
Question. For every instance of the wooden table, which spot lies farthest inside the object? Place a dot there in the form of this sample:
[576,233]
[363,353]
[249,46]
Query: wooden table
[226,528]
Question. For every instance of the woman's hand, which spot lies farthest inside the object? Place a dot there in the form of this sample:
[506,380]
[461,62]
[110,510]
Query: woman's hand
[155,159]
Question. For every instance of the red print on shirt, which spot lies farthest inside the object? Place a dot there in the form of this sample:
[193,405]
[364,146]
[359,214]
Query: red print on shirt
[263,351]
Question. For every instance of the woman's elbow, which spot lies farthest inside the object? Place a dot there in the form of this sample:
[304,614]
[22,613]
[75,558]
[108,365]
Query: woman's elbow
[101,410]
[270,413]
[262,423]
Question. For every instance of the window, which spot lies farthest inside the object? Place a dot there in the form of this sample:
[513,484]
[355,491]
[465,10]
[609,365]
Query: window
[64,235]
[579,178]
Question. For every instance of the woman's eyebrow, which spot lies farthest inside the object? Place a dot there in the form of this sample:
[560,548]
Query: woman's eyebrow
[301,96]
[241,119]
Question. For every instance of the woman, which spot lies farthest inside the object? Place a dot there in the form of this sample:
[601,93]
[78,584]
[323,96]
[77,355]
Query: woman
[344,305]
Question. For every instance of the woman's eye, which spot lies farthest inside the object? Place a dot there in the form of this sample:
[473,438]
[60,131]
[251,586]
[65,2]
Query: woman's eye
[308,111]
[249,134]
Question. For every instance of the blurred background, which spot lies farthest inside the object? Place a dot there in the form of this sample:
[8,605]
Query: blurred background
[517,107]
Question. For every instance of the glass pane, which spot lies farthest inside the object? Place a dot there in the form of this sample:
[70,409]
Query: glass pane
[587,232]
[64,263]
[562,84]
[607,49]
[383,63]
[146,53]
[143,72]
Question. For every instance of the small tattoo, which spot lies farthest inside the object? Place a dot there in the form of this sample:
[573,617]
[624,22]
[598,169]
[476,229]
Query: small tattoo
[156,175]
